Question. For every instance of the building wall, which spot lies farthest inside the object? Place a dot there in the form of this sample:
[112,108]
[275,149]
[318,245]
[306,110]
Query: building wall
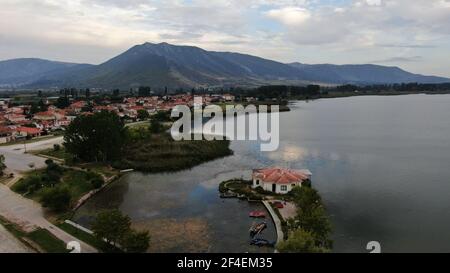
[278,188]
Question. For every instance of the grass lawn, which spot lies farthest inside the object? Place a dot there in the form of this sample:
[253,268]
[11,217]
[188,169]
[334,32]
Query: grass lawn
[83,236]
[47,241]
[100,168]
[78,182]
[41,237]
[139,124]
[60,154]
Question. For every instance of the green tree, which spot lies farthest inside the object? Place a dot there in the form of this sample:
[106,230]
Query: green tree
[115,228]
[52,174]
[2,164]
[315,221]
[28,184]
[98,137]
[162,116]
[97,182]
[300,241]
[57,198]
[155,126]
[34,109]
[62,102]
[42,106]
[116,92]
[135,241]
[306,198]
[144,91]
[142,114]
[112,226]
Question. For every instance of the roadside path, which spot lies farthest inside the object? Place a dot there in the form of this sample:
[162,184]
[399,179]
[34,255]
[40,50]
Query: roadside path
[10,244]
[28,215]
[18,161]
[22,211]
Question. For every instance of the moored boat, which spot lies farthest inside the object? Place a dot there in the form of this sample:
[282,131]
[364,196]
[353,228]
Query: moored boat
[228,195]
[257,214]
[257,229]
[261,242]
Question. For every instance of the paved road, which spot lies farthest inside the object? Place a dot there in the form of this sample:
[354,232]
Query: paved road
[29,215]
[17,161]
[22,211]
[10,244]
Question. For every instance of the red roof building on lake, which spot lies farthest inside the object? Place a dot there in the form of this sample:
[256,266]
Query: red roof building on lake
[279,180]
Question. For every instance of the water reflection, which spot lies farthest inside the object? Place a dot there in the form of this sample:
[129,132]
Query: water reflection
[383,175]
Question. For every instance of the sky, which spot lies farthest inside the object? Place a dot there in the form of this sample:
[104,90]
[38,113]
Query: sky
[411,34]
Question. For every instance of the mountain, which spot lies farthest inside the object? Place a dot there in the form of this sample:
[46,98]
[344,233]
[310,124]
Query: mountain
[363,74]
[161,65]
[30,70]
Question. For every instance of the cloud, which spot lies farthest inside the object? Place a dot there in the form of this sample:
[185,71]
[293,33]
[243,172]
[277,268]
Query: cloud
[405,46]
[291,16]
[399,60]
[350,31]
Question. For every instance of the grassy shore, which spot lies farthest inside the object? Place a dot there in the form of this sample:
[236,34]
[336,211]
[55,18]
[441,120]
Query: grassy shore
[159,153]
[83,236]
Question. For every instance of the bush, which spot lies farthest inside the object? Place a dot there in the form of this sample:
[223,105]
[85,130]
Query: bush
[97,183]
[56,147]
[135,242]
[91,175]
[300,241]
[29,184]
[57,199]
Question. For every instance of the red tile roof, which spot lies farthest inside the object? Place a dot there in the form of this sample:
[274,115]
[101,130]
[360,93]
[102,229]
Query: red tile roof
[280,175]
[4,130]
[46,113]
[29,130]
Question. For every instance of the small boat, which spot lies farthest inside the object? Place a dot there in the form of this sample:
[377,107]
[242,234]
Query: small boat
[257,229]
[228,195]
[257,214]
[261,242]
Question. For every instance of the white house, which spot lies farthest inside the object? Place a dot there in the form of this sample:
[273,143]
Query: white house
[279,180]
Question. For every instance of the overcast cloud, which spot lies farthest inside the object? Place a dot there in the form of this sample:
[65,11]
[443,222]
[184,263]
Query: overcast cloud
[412,34]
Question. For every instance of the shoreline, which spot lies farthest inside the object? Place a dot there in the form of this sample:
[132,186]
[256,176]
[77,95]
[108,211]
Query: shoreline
[276,220]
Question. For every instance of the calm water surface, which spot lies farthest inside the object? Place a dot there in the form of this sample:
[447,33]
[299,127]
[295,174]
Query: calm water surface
[382,165]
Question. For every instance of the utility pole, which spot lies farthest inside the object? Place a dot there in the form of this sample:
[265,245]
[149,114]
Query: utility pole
[25,144]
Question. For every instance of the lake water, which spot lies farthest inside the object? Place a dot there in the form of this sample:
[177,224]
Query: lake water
[381,164]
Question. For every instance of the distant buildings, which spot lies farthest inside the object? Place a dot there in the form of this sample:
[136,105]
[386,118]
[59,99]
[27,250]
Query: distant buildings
[279,180]
[21,121]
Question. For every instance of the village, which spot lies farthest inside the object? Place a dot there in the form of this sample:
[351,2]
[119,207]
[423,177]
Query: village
[46,116]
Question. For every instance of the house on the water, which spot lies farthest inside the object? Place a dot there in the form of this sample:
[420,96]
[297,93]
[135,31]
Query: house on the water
[279,180]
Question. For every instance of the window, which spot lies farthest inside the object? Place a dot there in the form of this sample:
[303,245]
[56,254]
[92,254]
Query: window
[284,188]
[257,181]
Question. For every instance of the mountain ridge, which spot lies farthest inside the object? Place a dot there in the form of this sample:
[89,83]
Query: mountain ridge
[165,65]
